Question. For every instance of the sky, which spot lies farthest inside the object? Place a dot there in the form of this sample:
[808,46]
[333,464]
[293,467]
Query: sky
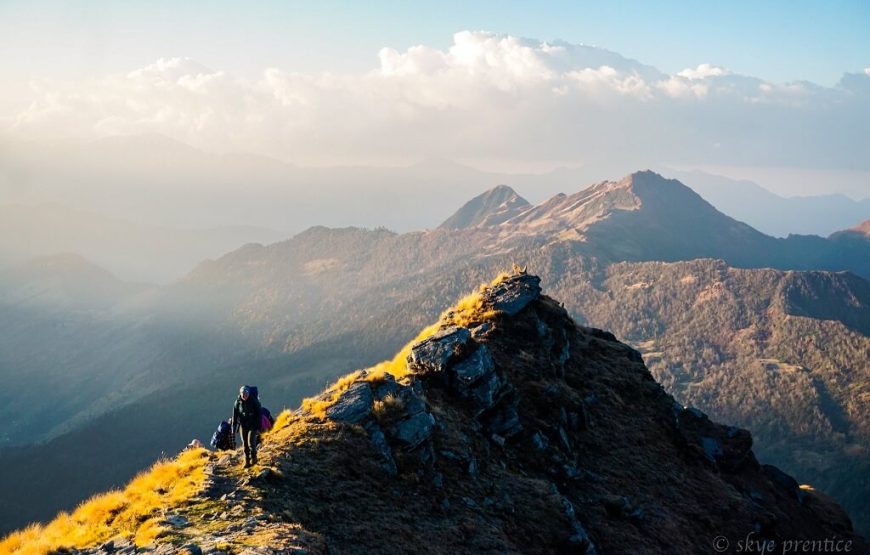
[781,40]
[499,85]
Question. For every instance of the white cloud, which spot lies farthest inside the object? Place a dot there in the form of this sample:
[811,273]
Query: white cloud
[487,96]
[703,71]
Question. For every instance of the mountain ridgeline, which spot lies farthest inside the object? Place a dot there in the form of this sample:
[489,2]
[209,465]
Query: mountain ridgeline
[504,427]
[781,352]
[647,217]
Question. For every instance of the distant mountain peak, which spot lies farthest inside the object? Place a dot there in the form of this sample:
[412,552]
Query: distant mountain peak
[491,207]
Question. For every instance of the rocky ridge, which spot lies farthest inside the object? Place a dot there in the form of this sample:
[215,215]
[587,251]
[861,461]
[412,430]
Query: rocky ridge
[506,428]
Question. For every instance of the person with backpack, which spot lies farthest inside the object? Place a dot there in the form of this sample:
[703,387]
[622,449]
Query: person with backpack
[247,417]
[223,439]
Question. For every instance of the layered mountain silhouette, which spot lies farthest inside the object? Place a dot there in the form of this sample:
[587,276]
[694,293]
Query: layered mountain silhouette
[294,314]
[647,217]
[504,427]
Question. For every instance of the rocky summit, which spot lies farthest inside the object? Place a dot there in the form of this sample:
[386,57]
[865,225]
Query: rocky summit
[504,428]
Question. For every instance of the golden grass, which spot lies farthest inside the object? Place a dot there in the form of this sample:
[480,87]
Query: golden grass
[282,421]
[133,512]
[390,404]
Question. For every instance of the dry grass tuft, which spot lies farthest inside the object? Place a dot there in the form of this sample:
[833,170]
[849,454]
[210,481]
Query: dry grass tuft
[132,512]
[390,404]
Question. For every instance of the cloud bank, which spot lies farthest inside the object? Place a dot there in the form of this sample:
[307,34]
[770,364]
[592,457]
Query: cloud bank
[486,97]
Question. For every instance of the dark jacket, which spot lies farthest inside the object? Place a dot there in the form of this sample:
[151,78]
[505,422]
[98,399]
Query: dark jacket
[246,414]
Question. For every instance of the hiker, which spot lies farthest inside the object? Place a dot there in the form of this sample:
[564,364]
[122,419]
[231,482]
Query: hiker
[247,418]
[223,439]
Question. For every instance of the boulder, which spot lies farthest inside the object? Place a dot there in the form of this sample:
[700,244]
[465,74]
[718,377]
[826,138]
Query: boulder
[481,330]
[353,405]
[483,395]
[513,294]
[388,386]
[436,352]
[414,430]
[382,448]
[504,422]
[473,367]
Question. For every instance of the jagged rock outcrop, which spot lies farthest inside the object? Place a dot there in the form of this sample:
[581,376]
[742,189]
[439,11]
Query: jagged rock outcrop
[509,429]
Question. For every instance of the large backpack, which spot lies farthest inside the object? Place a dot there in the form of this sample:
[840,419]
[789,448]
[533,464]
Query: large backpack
[266,420]
[222,437]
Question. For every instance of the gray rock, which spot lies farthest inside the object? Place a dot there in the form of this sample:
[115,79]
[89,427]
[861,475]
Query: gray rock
[513,294]
[353,405]
[473,469]
[484,394]
[176,521]
[414,430]
[505,422]
[413,403]
[435,353]
[481,330]
[388,386]
[473,368]
[425,454]
[540,441]
[579,538]
[382,448]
